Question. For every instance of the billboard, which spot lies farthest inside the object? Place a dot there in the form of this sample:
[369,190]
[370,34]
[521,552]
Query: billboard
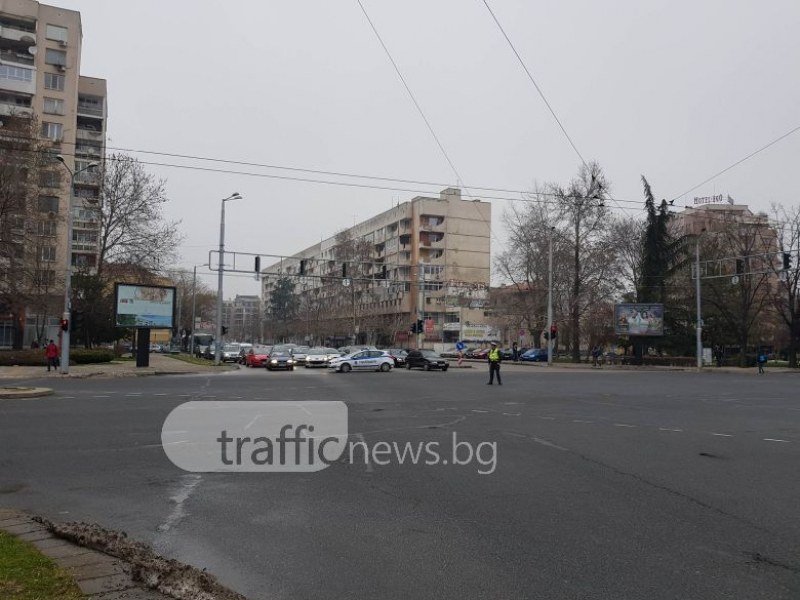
[639,319]
[144,306]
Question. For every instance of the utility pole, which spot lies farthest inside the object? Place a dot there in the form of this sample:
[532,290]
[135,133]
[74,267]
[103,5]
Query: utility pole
[550,300]
[699,328]
[194,311]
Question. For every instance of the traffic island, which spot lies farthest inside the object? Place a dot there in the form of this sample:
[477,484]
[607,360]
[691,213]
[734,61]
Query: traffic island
[24,392]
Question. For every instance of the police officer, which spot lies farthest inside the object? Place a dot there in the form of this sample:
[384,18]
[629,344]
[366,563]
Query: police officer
[494,364]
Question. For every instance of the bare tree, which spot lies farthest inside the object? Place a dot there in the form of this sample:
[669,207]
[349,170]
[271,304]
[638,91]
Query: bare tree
[785,299]
[133,227]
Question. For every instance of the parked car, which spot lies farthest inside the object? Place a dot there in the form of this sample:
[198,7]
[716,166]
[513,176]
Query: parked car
[243,348]
[320,356]
[257,356]
[366,360]
[426,359]
[209,352]
[449,353]
[399,356]
[479,353]
[534,355]
[154,347]
[280,361]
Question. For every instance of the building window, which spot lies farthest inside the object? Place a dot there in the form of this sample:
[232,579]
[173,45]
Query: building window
[52,131]
[54,32]
[45,277]
[48,203]
[16,73]
[47,228]
[47,253]
[53,81]
[51,179]
[54,106]
[55,57]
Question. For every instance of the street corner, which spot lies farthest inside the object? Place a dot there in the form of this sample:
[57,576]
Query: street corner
[18,391]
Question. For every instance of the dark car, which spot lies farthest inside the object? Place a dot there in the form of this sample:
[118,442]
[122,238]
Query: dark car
[399,356]
[280,361]
[534,355]
[426,359]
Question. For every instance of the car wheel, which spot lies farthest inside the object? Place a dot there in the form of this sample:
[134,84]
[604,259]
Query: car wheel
[444,368]
[408,366]
[385,367]
[291,369]
[427,367]
[345,368]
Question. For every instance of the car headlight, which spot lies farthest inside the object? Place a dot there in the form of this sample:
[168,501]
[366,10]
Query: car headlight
[274,361]
[289,362]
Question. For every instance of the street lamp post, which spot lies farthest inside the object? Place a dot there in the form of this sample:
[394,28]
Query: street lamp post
[550,301]
[68,265]
[218,340]
[699,328]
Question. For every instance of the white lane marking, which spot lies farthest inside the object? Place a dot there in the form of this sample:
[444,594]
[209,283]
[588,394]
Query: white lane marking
[99,396]
[361,438]
[580,421]
[623,425]
[251,423]
[546,418]
[68,397]
[776,440]
[208,396]
[538,440]
[159,394]
[187,487]
[479,411]
[722,434]
[134,394]
[511,414]
[174,443]
[184,395]
[669,429]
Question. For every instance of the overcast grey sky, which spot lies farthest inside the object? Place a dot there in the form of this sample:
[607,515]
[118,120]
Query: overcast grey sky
[675,90]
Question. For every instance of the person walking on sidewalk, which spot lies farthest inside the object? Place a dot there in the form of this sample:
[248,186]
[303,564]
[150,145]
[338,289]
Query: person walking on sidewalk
[51,353]
[494,364]
[762,360]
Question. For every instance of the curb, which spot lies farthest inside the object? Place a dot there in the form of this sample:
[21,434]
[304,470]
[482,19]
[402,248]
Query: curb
[99,576]
[24,392]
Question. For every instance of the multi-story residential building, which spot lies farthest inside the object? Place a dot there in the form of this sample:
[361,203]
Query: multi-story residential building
[426,260]
[40,56]
[242,316]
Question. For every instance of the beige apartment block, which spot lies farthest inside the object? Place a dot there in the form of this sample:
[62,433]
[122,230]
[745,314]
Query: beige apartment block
[426,259]
[40,58]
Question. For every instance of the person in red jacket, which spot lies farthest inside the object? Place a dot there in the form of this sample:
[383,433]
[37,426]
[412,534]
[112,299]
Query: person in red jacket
[51,352]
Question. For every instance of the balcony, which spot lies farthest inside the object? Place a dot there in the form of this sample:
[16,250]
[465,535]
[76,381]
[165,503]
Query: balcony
[87,178]
[90,106]
[90,150]
[89,134]
[15,104]
[18,55]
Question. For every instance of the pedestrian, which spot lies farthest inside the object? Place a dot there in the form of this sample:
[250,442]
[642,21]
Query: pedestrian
[460,346]
[762,360]
[494,364]
[514,352]
[718,354]
[51,353]
[596,356]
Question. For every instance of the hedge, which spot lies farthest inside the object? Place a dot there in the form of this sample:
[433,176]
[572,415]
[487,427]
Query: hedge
[36,358]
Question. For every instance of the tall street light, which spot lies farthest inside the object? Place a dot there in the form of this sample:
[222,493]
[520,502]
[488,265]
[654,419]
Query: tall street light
[699,328]
[550,300]
[218,340]
[68,264]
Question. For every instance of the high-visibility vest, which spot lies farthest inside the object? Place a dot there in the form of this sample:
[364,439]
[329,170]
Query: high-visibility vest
[494,355]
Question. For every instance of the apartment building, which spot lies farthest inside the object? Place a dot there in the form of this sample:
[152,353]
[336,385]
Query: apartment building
[40,80]
[242,316]
[426,260]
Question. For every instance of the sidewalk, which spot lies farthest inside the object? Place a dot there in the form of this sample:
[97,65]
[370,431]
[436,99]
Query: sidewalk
[160,364]
[566,367]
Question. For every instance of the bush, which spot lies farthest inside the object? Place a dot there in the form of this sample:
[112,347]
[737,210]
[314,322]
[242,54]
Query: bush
[670,361]
[36,358]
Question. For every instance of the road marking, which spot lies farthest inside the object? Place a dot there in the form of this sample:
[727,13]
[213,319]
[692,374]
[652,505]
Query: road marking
[546,418]
[235,397]
[174,443]
[68,397]
[580,421]
[134,394]
[722,434]
[775,440]
[99,396]
[511,414]
[538,440]
[159,394]
[479,411]
[188,485]
[669,429]
[623,425]
[369,466]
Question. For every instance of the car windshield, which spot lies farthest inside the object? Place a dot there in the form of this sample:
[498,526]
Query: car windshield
[430,354]
[231,347]
[281,348]
[260,350]
[280,354]
[317,351]
[301,350]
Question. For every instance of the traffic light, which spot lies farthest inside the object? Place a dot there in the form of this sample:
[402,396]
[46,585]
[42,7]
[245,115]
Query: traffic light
[64,324]
[787,261]
[344,270]
[740,266]
[420,326]
[224,330]
[413,328]
[303,266]
[78,321]
[553,332]
[257,266]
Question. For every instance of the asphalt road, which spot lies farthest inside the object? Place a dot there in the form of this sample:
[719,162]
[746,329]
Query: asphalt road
[608,484]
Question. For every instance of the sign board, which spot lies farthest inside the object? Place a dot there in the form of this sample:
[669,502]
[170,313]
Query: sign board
[718,199]
[480,333]
[429,327]
[144,306]
[639,319]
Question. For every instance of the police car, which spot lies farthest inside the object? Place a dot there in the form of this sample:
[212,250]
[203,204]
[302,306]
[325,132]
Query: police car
[364,360]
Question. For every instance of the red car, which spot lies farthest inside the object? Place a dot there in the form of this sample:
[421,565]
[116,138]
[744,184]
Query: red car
[257,356]
[481,354]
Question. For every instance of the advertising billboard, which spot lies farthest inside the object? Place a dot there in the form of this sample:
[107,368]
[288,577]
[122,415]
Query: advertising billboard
[639,319]
[144,306]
